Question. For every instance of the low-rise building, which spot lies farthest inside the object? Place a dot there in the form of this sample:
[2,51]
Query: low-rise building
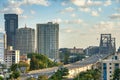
[76,50]
[11,56]
[25,59]
[118,50]
[72,50]
[109,65]
[92,50]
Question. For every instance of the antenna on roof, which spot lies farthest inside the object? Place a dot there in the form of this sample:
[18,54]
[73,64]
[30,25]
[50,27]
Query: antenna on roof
[25,26]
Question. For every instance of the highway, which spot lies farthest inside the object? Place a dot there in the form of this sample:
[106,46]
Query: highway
[50,71]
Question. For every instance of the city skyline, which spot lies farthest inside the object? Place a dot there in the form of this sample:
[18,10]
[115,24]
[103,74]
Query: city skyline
[81,21]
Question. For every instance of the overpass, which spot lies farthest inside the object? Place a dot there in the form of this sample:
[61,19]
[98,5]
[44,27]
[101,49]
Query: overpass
[74,68]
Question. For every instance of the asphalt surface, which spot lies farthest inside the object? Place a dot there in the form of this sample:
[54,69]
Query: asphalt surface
[50,71]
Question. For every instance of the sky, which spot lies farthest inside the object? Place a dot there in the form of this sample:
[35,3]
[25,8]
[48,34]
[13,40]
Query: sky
[80,21]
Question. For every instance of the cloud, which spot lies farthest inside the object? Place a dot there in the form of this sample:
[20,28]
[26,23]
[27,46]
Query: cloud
[32,12]
[99,9]
[117,9]
[75,21]
[12,10]
[23,16]
[85,9]
[11,7]
[64,3]
[35,2]
[94,13]
[118,1]
[106,26]
[115,16]
[86,3]
[93,3]
[70,30]
[57,20]
[78,2]
[107,3]
[89,3]
[68,9]
[73,15]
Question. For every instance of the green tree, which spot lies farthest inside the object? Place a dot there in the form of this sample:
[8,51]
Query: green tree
[24,67]
[14,67]
[116,75]
[34,64]
[59,75]
[16,74]
[43,77]
[30,78]
[39,61]
[64,55]
[93,74]
[1,78]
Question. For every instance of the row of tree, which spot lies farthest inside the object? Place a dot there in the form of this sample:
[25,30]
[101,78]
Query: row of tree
[93,74]
[60,74]
[39,61]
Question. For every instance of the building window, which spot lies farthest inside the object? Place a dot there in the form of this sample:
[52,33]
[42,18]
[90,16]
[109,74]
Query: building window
[104,71]
[110,71]
[109,63]
[110,67]
[116,65]
[116,57]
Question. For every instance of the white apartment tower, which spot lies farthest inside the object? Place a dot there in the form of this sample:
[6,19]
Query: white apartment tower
[48,40]
[109,65]
[11,56]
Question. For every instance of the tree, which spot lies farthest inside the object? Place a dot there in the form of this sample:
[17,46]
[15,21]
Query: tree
[34,64]
[65,55]
[116,75]
[16,74]
[39,61]
[43,77]
[93,74]
[30,78]
[59,75]
[14,67]
[24,67]
[1,78]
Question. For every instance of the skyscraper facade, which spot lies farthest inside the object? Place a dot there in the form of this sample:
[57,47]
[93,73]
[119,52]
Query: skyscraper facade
[11,24]
[1,47]
[25,40]
[48,39]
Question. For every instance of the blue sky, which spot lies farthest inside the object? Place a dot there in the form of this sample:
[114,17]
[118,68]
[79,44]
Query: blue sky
[81,21]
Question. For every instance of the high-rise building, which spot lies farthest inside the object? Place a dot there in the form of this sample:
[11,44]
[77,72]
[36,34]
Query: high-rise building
[1,47]
[11,24]
[48,40]
[25,40]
